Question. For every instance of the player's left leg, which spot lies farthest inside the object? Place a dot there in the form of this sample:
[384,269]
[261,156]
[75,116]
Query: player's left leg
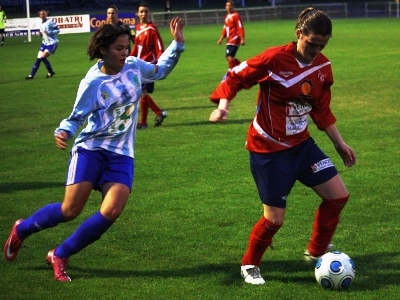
[144,110]
[160,114]
[153,106]
[334,197]
[46,54]
[230,56]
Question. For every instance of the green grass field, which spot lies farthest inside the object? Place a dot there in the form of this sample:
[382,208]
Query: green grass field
[194,202]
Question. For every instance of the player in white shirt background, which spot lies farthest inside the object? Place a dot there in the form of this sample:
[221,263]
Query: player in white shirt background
[48,32]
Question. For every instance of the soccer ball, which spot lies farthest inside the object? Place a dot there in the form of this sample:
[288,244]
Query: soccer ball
[335,270]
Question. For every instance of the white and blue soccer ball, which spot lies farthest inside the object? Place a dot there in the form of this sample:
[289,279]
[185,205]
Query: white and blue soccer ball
[335,270]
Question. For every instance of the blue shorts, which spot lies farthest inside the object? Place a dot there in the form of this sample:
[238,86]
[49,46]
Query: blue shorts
[149,87]
[50,48]
[276,173]
[231,50]
[99,167]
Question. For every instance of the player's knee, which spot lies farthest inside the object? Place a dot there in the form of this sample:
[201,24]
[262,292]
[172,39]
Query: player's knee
[70,214]
[338,202]
[112,214]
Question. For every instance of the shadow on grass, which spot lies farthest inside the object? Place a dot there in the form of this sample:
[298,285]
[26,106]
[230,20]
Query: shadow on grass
[374,271]
[23,186]
[190,107]
[206,122]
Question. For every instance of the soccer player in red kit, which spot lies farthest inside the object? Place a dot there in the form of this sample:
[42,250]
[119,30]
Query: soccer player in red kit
[294,83]
[233,31]
[149,47]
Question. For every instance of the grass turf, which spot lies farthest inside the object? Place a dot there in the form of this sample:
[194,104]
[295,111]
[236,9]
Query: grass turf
[194,202]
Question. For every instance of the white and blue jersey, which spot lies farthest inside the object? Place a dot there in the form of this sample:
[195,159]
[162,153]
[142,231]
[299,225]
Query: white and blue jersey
[109,103]
[49,38]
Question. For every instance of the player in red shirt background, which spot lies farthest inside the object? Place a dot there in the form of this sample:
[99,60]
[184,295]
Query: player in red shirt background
[233,31]
[148,46]
[294,83]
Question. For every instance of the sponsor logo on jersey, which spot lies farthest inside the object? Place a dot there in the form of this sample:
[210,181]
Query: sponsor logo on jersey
[321,76]
[286,73]
[306,86]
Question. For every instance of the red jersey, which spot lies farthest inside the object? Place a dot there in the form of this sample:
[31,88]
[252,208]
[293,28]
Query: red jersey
[148,43]
[233,29]
[288,93]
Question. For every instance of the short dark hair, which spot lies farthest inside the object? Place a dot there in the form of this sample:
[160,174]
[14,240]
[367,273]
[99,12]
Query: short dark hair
[314,21]
[113,7]
[103,37]
[143,4]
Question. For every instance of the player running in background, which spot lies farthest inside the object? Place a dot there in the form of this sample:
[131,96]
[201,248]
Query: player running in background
[3,19]
[148,46]
[102,157]
[294,83]
[233,31]
[48,32]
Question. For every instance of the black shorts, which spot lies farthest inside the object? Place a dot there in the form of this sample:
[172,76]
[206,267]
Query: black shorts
[231,50]
[276,173]
[149,87]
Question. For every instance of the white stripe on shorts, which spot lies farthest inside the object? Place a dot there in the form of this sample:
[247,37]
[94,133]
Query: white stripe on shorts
[72,167]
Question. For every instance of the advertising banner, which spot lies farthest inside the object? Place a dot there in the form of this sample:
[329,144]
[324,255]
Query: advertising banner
[97,20]
[66,24]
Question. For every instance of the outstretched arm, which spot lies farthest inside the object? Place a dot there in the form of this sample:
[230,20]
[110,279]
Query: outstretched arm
[176,26]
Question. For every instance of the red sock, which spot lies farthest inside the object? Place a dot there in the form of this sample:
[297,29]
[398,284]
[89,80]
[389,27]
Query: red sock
[153,106]
[260,239]
[144,109]
[236,62]
[325,223]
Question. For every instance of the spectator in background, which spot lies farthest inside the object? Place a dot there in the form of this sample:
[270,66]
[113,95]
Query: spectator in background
[48,31]
[148,46]
[233,31]
[3,19]
[167,9]
[112,18]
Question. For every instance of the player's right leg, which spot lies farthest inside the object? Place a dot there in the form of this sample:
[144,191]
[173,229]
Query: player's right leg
[46,217]
[13,243]
[36,65]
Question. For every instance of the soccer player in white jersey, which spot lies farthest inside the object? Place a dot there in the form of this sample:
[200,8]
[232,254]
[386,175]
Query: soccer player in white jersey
[102,157]
[48,32]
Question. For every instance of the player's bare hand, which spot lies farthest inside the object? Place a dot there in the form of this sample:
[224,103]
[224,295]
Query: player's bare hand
[61,140]
[218,115]
[347,154]
[176,26]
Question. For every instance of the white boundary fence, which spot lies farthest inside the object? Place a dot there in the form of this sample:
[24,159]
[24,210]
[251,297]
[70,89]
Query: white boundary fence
[334,10]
